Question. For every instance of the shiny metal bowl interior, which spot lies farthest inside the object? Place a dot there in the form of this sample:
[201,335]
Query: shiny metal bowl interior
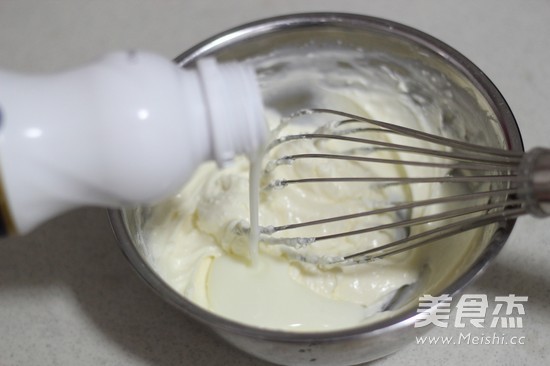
[264,41]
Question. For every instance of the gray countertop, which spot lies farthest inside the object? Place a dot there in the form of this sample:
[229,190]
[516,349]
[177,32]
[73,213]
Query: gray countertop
[69,297]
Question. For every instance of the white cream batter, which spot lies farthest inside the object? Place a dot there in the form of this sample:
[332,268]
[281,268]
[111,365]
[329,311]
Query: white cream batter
[196,248]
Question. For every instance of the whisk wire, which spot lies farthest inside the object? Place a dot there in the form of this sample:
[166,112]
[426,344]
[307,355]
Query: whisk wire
[402,180]
[440,140]
[442,232]
[400,207]
[455,155]
[477,165]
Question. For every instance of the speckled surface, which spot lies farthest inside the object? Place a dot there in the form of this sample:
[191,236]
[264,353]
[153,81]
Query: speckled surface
[67,294]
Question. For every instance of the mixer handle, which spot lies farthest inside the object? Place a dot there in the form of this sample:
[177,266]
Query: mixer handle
[535,168]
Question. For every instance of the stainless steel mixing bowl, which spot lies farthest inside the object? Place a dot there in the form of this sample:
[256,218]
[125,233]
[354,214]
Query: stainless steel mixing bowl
[485,118]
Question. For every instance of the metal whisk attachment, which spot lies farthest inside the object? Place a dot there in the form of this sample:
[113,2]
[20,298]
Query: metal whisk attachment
[496,185]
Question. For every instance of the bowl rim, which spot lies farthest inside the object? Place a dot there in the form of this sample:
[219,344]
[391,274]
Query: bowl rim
[346,21]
